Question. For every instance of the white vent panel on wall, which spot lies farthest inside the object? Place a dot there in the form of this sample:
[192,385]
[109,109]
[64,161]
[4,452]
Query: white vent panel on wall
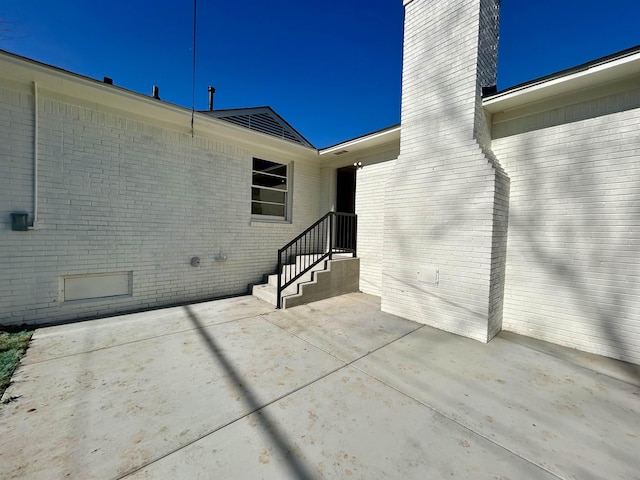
[428,274]
[94,286]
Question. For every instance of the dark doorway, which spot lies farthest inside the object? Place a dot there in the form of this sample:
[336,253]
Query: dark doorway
[346,190]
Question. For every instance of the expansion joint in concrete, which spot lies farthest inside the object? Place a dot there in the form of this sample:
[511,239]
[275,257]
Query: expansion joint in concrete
[462,425]
[275,400]
[139,340]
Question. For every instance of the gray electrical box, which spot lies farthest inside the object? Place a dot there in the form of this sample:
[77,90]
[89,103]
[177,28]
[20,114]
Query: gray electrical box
[20,222]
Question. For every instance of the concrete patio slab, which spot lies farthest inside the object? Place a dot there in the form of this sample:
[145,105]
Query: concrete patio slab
[346,425]
[346,327]
[104,412]
[333,389]
[562,415]
[74,338]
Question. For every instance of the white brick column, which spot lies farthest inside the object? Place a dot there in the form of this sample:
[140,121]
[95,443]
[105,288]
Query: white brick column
[447,198]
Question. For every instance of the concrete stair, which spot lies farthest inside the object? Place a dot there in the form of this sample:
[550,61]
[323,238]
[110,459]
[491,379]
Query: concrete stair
[329,278]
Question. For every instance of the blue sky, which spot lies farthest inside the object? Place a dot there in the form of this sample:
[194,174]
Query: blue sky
[331,68]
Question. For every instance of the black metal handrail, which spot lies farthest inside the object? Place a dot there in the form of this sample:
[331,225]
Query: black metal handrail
[333,233]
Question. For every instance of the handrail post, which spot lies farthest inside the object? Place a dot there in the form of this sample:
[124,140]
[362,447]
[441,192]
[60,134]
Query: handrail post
[331,230]
[355,236]
[279,273]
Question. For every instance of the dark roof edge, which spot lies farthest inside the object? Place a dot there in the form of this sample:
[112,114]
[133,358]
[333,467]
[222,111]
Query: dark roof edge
[569,71]
[228,110]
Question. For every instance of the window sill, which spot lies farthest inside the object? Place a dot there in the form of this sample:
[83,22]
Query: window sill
[260,222]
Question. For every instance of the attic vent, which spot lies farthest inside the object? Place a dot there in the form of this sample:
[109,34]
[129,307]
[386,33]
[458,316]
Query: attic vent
[341,152]
[265,123]
[263,120]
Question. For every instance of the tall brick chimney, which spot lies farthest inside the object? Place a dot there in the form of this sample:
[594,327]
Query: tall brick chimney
[446,202]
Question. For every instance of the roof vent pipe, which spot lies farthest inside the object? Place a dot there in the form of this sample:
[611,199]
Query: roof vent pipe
[155,92]
[212,92]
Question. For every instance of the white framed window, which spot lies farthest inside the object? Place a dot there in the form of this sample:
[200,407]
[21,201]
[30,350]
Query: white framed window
[269,189]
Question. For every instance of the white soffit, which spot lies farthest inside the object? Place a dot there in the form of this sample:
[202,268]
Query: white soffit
[365,142]
[600,73]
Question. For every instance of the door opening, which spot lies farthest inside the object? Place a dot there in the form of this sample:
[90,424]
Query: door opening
[346,190]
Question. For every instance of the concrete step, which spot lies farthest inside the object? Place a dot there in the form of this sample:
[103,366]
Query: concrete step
[327,279]
[341,276]
[268,291]
[265,292]
[289,270]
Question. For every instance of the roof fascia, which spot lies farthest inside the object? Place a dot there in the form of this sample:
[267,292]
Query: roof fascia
[80,90]
[593,74]
[377,146]
[387,135]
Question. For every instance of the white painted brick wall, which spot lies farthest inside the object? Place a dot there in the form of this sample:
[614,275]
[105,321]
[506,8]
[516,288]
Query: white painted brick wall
[573,256]
[16,153]
[370,195]
[118,194]
[327,189]
[439,206]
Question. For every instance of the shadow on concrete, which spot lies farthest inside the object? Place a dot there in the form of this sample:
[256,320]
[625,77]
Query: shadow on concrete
[279,439]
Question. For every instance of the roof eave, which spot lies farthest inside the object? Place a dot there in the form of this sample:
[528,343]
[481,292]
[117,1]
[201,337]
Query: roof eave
[602,71]
[66,84]
[369,140]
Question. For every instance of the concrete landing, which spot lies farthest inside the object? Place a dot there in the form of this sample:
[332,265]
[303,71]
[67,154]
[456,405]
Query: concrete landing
[333,389]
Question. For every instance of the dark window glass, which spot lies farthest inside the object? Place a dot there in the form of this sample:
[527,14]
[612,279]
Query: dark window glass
[270,181]
[272,168]
[267,209]
[271,196]
[269,188]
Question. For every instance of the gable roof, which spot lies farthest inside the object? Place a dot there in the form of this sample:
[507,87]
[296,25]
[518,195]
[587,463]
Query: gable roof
[260,119]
